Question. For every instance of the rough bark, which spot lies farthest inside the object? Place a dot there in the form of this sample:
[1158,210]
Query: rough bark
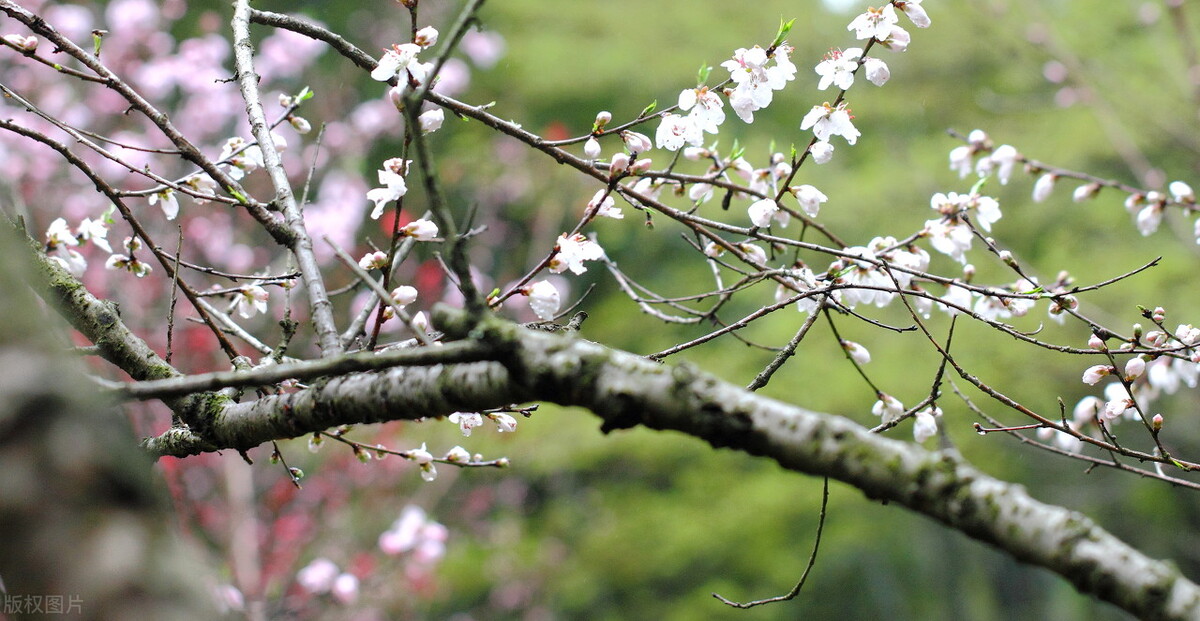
[626,390]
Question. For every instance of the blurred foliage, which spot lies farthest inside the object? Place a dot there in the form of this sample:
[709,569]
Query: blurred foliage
[643,525]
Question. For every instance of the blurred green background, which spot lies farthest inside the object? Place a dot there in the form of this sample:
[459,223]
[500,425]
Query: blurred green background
[641,525]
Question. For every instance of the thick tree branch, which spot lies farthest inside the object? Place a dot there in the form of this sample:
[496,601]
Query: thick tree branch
[626,390]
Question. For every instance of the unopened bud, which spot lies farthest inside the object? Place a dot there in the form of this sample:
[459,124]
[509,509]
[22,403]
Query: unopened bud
[1134,368]
[640,166]
[1157,422]
[1159,314]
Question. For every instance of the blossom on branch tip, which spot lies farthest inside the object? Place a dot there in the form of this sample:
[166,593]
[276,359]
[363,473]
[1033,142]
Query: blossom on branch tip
[504,422]
[857,353]
[544,299]
[1093,374]
[949,238]
[202,183]
[1043,187]
[392,178]
[755,83]
[961,160]
[827,120]
[838,67]
[466,421]
[1084,192]
[426,37]
[251,300]
[636,142]
[887,408]
[166,200]
[810,198]
[705,108]
[1149,218]
[129,264]
[763,212]
[457,455]
[1004,157]
[94,231]
[821,151]
[619,163]
[59,234]
[897,39]
[395,60]
[25,44]
[1182,193]
[753,253]
[874,23]
[925,423]
[877,71]
[431,120]
[404,295]
[423,458]
[1134,368]
[675,131]
[373,260]
[915,12]
[591,148]
[572,252]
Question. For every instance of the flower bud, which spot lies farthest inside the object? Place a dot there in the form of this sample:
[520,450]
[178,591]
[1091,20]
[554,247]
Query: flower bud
[300,124]
[1135,368]
[1156,423]
[591,148]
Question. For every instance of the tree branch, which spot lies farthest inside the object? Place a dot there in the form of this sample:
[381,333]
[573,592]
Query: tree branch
[626,390]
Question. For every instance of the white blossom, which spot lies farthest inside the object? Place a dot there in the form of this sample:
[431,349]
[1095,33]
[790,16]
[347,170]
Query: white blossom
[544,299]
[874,23]
[887,408]
[925,423]
[1181,192]
[250,300]
[604,205]
[810,198]
[466,421]
[915,12]
[1004,157]
[166,200]
[821,151]
[858,353]
[392,178]
[572,252]
[431,120]
[1043,187]
[837,68]
[420,230]
[763,212]
[827,120]
[1095,373]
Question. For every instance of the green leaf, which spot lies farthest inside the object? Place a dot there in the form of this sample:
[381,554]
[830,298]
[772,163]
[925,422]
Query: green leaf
[784,28]
[648,109]
[305,94]
[702,75]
